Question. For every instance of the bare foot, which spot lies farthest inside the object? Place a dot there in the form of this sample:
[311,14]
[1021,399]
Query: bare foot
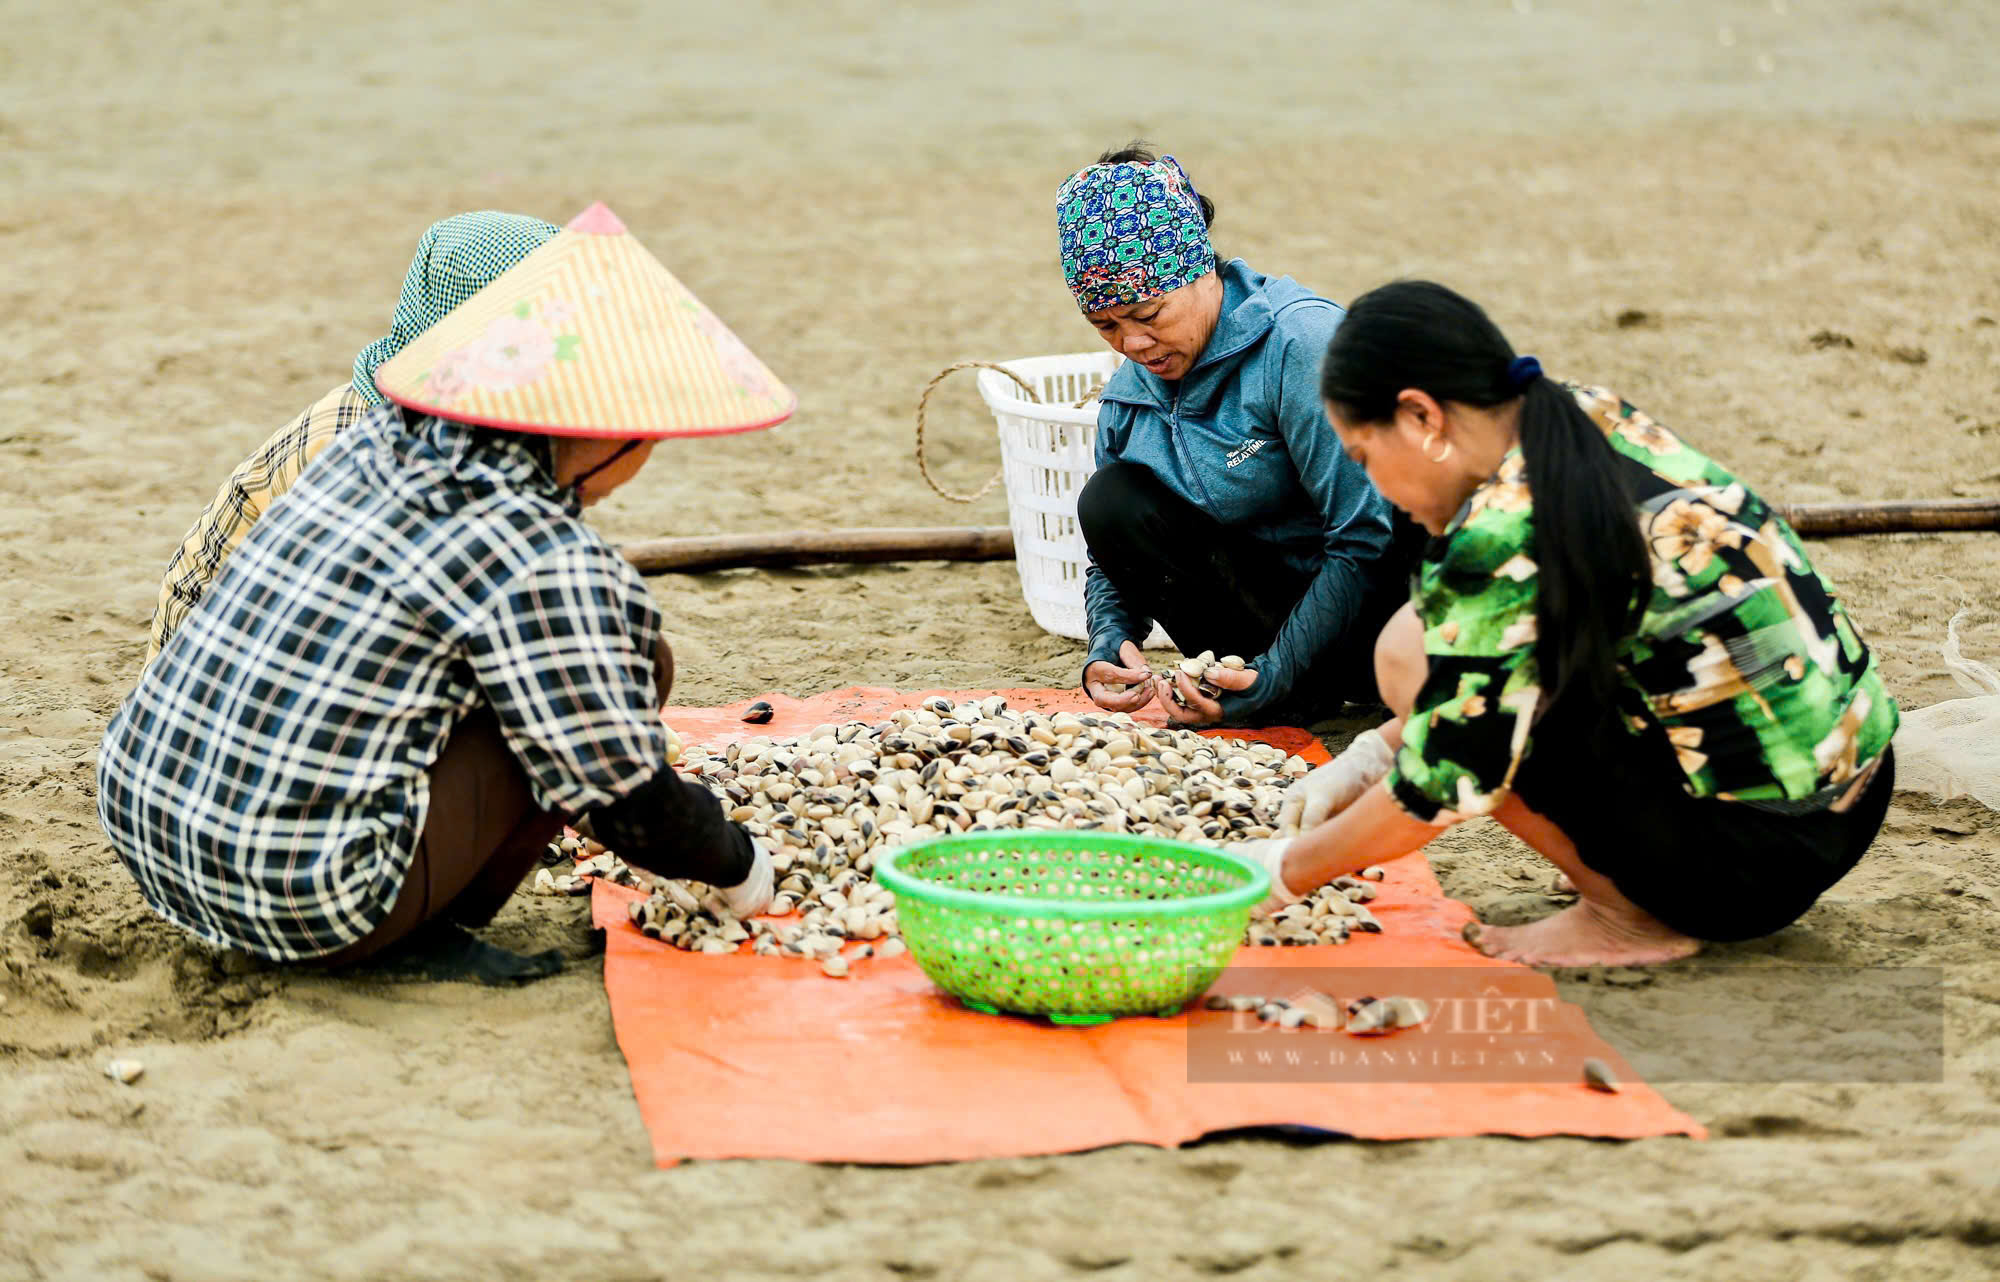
[1584,934]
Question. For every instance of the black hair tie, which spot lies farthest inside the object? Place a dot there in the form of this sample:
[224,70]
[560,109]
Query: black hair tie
[1523,370]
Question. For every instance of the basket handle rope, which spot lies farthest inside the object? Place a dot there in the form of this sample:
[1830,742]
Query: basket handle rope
[923,403]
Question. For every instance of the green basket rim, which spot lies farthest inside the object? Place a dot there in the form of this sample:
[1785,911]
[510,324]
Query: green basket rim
[901,883]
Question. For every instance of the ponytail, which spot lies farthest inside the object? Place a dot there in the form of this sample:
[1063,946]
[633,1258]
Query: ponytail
[1592,561]
[1593,566]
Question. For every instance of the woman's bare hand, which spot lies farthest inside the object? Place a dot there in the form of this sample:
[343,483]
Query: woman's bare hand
[1134,675]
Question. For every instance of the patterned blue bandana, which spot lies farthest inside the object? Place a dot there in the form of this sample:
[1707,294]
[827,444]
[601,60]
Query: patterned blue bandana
[1130,232]
[455,260]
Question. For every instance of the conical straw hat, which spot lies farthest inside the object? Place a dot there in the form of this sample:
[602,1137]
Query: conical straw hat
[588,336]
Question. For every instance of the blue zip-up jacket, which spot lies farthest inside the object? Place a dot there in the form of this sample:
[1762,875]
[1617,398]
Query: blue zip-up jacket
[1244,437]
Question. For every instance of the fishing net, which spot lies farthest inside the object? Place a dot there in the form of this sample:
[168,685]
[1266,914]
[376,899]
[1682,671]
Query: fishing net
[1952,749]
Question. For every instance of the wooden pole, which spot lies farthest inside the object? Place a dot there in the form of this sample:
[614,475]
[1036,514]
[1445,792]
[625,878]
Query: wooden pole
[704,553]
[1829,520]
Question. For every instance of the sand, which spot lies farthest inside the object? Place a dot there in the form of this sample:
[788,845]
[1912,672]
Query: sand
[1771,225]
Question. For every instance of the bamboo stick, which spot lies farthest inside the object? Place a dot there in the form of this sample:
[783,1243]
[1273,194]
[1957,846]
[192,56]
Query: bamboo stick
[705,553]
[1902,516]
[702,554]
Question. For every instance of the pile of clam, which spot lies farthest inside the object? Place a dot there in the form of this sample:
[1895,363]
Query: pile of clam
[831,798]
[591,860]
[847,908]
[828,802]
[1327,916]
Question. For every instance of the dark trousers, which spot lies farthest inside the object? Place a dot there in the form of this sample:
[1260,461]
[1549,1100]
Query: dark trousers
[483,836]
[1222,589]
[1716,870]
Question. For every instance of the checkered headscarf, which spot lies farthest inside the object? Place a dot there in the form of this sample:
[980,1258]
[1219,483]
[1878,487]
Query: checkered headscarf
[1130,232]
[455,260]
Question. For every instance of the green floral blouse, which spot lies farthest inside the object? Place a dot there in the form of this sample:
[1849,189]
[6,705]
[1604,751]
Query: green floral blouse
[1743,655]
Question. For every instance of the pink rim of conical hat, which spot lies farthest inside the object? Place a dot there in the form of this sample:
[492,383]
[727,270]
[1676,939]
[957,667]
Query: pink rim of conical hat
[590,335]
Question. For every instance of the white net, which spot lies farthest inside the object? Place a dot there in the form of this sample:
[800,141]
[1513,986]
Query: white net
[1952,749]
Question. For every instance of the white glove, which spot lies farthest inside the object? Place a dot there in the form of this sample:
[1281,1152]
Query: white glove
[1269,853]
[1333,787]
[753,894]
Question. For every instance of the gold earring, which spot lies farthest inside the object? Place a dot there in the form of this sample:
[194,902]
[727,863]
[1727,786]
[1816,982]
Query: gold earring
[1431,440]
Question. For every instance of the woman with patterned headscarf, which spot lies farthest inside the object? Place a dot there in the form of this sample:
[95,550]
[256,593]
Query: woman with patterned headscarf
[455,260]
[1222,506]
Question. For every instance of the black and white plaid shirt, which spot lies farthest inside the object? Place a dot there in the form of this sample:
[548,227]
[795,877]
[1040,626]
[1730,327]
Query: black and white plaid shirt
[266,782]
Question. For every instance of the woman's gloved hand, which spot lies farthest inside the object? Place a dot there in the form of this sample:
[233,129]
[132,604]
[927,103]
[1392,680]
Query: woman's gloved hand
[1269,853]
[1333,787]
[753,894]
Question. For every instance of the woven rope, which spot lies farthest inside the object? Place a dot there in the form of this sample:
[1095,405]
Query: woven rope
[923,403]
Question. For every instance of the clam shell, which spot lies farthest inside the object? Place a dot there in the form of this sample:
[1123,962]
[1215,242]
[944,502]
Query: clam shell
[1408,1012]
[1374,1017]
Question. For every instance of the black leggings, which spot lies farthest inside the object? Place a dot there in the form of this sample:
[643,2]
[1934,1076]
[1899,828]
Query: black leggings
[1213,587]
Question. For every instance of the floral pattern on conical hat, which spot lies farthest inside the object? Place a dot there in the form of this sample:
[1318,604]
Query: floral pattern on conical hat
[590,335]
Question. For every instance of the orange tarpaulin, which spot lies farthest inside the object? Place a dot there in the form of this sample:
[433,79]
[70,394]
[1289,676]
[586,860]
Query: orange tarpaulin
[898,1072]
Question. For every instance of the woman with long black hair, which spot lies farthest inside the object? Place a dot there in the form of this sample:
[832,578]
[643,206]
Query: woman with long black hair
[1613,648]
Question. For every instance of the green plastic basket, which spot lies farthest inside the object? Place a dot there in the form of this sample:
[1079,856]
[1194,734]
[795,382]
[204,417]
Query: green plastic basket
[1079,926]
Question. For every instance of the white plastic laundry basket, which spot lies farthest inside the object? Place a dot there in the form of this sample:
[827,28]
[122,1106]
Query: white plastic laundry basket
[1047,452]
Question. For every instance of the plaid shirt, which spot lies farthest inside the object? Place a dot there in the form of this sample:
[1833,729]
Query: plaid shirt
[266,783]
[246,495]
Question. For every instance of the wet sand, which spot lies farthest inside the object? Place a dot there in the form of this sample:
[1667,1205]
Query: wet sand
[1770,225]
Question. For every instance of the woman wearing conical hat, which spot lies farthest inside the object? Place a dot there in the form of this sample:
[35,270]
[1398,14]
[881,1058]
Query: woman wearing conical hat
[455,259]
[421,661]
[1221,506]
